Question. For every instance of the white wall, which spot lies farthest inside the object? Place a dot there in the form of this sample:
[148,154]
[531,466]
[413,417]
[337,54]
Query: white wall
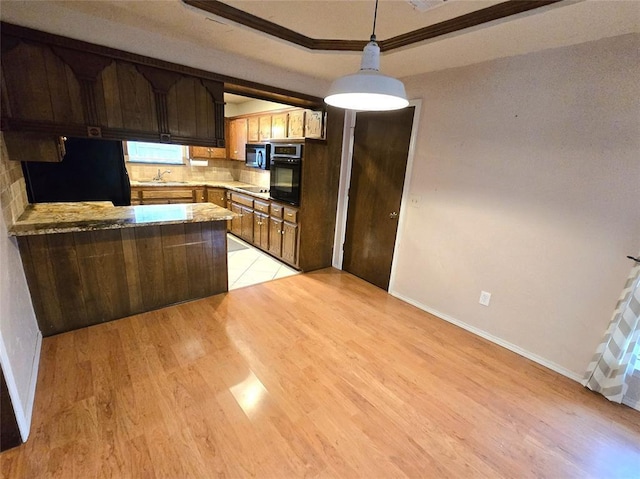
[20,336]
[528,169]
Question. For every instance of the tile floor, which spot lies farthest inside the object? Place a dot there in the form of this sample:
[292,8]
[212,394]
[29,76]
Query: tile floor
[252,266]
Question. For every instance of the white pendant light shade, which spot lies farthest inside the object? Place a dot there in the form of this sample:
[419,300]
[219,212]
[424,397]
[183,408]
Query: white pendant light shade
[368,89]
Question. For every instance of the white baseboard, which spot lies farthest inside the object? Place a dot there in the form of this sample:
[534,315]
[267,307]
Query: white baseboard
[494,339]
[32,386]
[23,418]
[631,403]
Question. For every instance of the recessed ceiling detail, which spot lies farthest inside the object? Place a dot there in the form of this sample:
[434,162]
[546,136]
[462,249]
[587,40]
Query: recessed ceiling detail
[424,5]
[475,18]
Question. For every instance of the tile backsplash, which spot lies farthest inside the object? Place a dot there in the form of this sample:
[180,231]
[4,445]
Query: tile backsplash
[218,170]
[13,192]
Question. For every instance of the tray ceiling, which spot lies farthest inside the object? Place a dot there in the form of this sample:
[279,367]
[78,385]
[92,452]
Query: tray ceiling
[406,23]
[173,31]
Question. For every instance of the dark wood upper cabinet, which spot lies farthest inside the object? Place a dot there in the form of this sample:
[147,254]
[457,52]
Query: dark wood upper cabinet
[64,90]
[38,86]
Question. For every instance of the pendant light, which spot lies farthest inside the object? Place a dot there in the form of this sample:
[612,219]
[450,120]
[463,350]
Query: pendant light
[368,89]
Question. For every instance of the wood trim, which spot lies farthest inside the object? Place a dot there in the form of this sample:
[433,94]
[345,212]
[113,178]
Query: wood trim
[161,80]
[252,21]
[485,15]
[473,19]
[85,65]
[231,84]
[80,130]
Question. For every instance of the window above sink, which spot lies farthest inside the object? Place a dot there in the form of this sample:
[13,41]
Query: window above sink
[158,153]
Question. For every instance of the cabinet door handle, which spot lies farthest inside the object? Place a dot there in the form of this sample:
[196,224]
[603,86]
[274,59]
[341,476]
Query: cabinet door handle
[393,215]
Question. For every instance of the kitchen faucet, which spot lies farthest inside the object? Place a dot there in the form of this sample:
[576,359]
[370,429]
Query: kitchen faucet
[158,177]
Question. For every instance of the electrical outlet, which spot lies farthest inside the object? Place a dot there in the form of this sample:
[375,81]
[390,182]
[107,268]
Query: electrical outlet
[485,298]
[414,201]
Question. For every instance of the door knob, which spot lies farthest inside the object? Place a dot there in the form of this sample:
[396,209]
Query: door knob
[393,215]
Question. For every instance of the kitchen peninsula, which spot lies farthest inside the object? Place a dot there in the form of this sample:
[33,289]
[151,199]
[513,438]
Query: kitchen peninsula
[92,262]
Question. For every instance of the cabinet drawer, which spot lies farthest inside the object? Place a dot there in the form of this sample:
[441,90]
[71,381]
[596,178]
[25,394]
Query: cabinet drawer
[217,196]
[261,206]
[276,210]
[241,199]
[162,192]
[290,215]
[219,153]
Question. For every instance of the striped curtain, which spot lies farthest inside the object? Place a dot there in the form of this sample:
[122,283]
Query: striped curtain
[614,360]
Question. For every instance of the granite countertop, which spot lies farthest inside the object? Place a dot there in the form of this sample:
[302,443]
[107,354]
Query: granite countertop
[46,218]
[238,186]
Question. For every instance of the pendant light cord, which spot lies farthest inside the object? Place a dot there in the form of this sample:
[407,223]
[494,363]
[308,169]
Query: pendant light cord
[375,16]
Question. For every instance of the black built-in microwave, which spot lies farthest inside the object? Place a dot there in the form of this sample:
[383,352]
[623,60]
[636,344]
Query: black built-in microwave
[286,169]
[257,155]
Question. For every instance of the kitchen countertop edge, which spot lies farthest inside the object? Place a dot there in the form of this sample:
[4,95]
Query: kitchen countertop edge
[53,218]
[236,186]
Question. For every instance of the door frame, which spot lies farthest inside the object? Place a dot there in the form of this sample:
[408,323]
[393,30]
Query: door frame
[345,182]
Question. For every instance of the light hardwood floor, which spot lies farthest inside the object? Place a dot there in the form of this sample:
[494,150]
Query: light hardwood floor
[317,375]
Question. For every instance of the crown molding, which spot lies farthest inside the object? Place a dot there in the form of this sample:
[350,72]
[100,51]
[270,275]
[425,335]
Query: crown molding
[479,17]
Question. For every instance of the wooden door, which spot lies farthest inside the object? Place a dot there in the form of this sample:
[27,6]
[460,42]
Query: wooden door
[380,150]
[289,242]
[217,196]
[237,138]
[296,124]
[264,123]
[261,230]
[279,126]
[236,222]
[247,225]
[253,129]
[313,124]
[275,236]
[199,152]
[199,195]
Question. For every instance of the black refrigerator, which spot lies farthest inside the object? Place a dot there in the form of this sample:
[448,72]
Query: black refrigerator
[91,170]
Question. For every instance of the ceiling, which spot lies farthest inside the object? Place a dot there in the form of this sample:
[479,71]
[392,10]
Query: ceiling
[131,25]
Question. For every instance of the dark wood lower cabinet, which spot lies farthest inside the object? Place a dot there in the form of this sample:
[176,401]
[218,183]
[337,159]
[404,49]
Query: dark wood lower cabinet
[261,230]
[262,224]
[217,196]
[85,278]
[246,230]
[289,242]
[236,222]
[275,236]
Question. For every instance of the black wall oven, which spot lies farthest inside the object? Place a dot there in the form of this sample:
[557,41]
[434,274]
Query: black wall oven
[286,168]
